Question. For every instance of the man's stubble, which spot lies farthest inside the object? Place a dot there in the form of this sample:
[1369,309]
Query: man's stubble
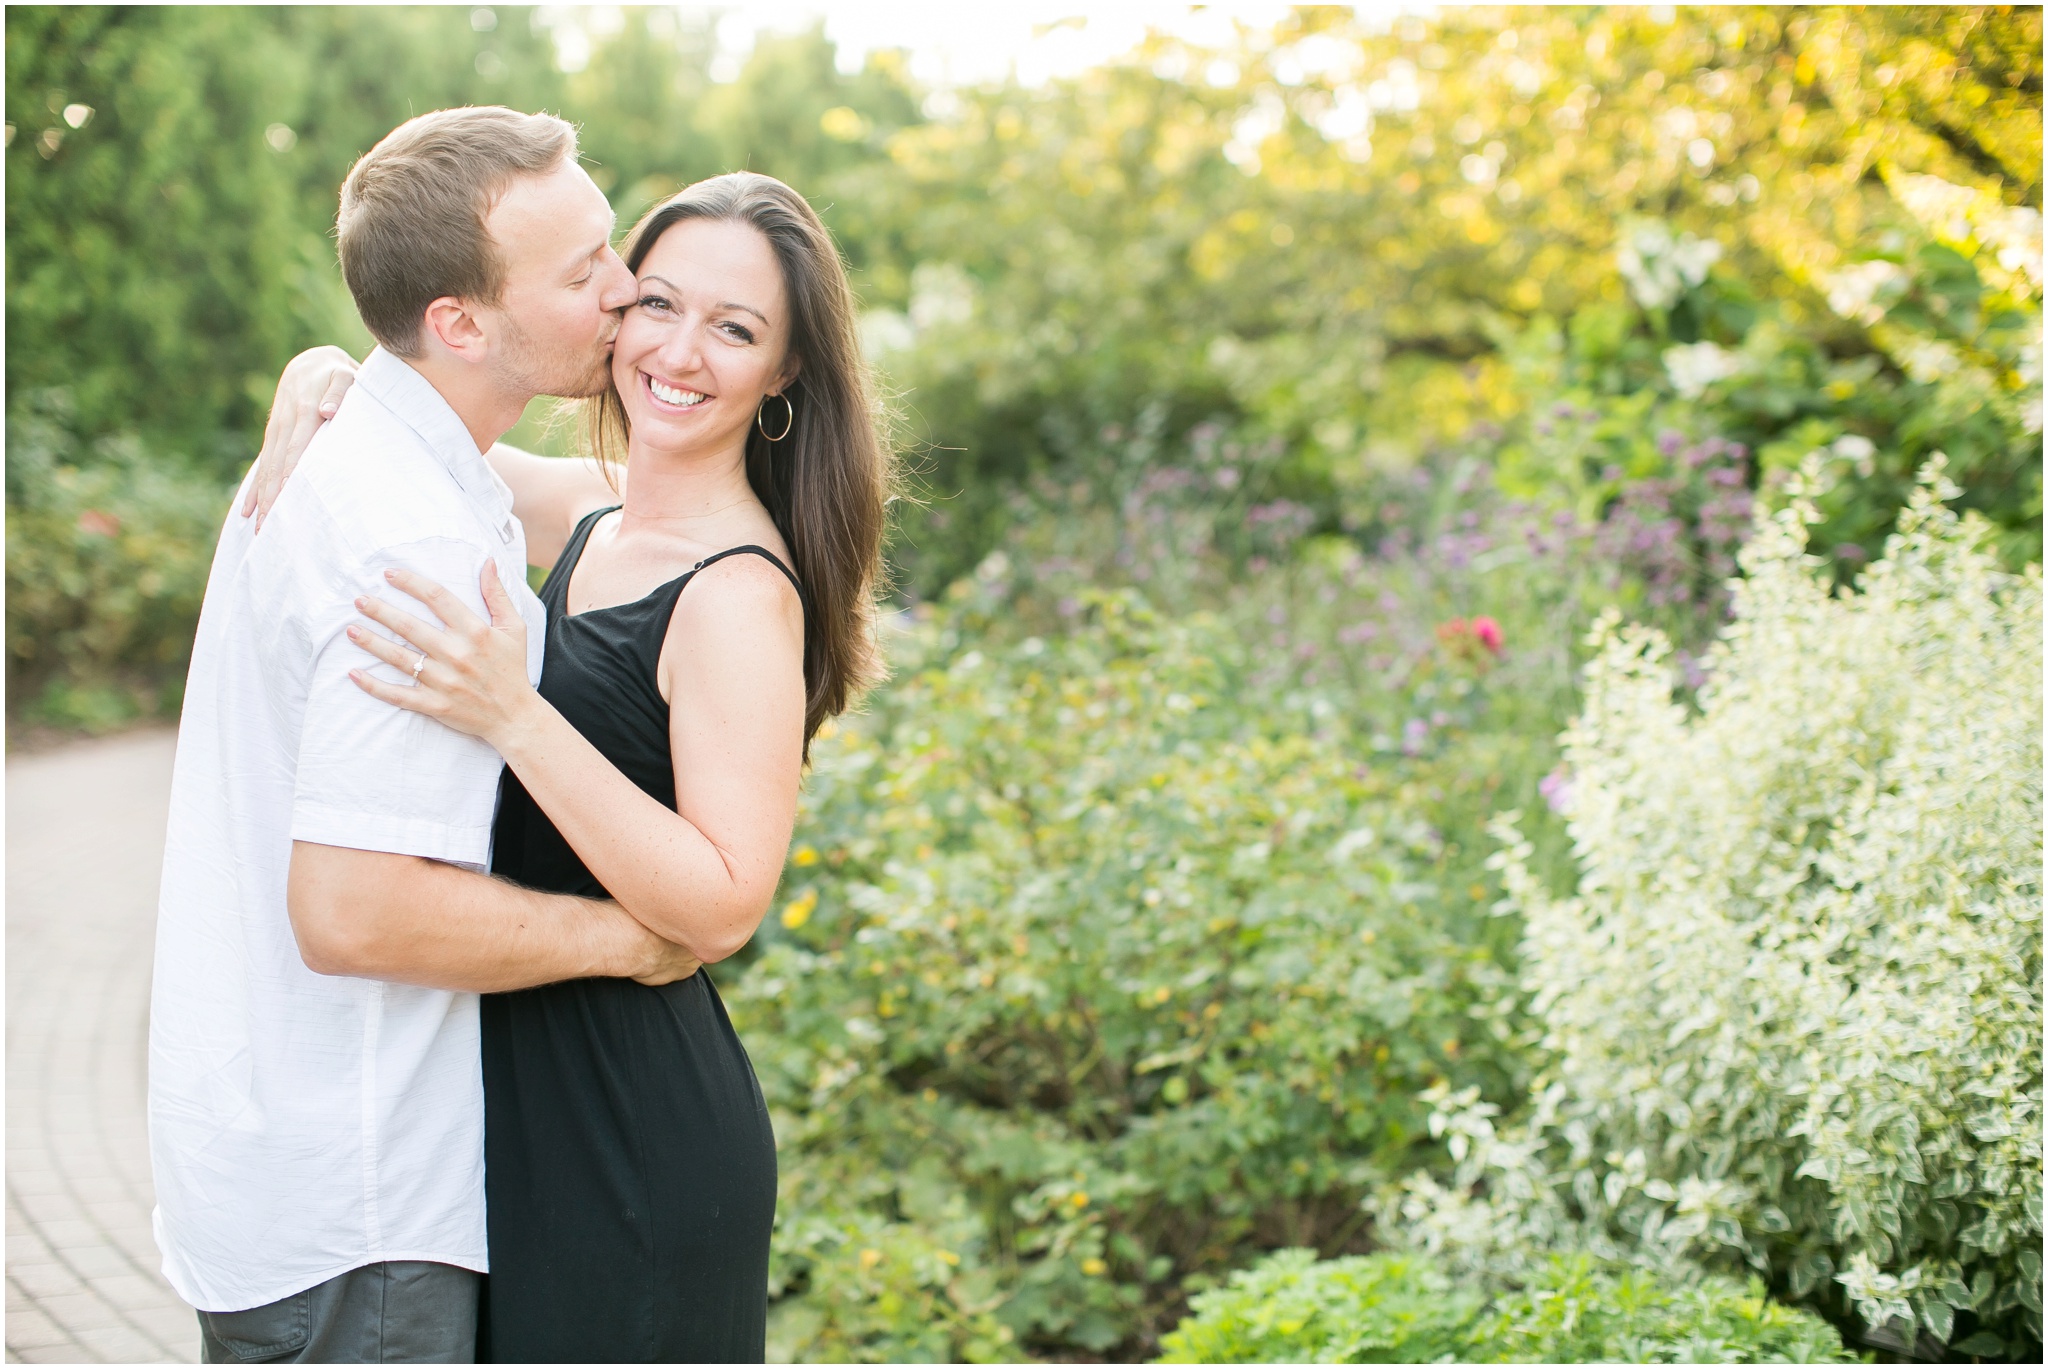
[523,366]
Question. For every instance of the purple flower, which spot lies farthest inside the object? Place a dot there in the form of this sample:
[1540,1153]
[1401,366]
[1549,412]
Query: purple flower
[1556,789]
[1668,442]
[1695,673]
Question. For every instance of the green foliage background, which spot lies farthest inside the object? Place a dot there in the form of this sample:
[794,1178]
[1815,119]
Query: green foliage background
[1356,238]
[1282,416]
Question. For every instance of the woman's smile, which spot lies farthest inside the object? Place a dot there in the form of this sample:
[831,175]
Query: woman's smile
[669,398]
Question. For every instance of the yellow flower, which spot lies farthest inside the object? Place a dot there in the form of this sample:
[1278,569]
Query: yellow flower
[870,1257]
[798,911]
[1078,1199]
[949,1257]
[804,855]
[1093,1267]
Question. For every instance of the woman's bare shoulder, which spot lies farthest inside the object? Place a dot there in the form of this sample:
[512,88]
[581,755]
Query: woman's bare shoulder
[738,624]
[738,583]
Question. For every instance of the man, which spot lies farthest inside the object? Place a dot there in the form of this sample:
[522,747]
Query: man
[316,1108]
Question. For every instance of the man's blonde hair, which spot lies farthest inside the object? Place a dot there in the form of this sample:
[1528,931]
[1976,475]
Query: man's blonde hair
[411,227]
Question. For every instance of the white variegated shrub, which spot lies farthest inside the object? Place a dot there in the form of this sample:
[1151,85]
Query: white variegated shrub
[1792,1014]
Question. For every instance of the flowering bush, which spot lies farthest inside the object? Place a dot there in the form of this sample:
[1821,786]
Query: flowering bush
[1407,1309]
[107,557]
[1792,1017]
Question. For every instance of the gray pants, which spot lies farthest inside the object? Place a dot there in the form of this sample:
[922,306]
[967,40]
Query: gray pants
[403,1312]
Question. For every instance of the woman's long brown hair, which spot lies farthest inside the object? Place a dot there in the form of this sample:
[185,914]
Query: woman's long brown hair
[826,482]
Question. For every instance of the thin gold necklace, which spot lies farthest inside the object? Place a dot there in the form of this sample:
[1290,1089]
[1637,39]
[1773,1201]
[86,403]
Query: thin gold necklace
[687,517]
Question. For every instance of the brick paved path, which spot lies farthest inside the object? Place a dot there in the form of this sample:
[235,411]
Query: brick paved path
[85,830]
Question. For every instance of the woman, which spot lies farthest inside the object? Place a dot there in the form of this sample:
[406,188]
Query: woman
[699,631]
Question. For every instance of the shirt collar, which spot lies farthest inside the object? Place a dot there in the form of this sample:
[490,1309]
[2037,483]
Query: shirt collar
[412,398]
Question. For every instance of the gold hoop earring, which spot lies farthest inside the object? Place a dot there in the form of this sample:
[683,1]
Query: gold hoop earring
[787,423]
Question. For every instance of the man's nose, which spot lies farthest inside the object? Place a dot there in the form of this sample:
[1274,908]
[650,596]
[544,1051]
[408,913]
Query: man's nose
[620,289]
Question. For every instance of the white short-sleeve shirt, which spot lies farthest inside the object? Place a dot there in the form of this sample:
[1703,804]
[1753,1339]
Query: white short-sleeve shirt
[303,1125]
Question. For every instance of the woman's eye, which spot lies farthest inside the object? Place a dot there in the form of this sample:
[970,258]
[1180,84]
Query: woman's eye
[653,302]
[739,332]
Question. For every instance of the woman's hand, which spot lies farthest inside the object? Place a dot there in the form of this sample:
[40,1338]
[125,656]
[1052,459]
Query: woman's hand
[468,674]
[308,393]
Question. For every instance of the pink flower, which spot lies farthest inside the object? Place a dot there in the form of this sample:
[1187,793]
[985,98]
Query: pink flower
[1476,642]
[95,523]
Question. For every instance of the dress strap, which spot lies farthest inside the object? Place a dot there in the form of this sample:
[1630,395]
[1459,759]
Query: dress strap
[557,583]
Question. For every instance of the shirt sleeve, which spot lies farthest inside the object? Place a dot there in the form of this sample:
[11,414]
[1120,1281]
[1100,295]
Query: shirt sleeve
[375,777]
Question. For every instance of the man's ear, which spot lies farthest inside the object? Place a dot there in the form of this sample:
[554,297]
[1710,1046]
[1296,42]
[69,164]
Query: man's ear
[451,325]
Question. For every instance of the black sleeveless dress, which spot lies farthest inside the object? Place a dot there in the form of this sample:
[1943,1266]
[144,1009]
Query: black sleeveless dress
[629,1164]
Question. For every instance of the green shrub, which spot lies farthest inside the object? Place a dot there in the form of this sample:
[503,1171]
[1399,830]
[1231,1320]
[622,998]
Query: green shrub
[1577,1310]
[1793,1015]
[1092,973]
[107,558]
[1385,1308]
[1405,1308]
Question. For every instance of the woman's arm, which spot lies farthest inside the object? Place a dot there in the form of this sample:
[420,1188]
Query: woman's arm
[309,390]
[702,876]
[550,495]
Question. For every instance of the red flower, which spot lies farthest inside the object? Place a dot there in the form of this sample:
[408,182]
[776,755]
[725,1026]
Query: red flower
[98,524]
[1475,640]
